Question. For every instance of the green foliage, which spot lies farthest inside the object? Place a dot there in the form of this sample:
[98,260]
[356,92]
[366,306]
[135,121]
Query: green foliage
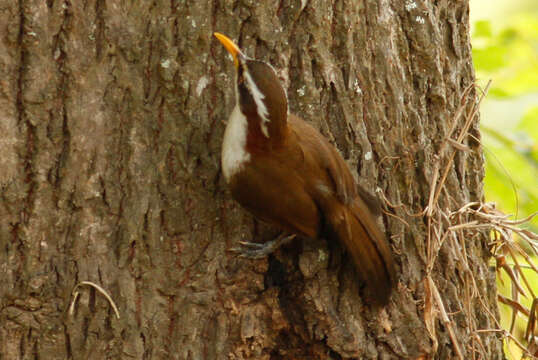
[529,125]
[510,57]
[512,166]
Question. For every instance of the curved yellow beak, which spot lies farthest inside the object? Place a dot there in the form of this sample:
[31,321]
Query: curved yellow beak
[230,46]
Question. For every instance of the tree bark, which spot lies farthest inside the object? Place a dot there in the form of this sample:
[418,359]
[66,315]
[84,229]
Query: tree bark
[112,116]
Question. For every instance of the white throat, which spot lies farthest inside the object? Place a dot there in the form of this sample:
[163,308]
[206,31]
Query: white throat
[234,154]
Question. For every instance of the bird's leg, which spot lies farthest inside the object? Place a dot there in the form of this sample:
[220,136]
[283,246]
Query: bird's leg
[253,250]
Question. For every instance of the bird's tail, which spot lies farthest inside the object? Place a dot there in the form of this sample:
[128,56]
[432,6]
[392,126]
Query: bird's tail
[356,228]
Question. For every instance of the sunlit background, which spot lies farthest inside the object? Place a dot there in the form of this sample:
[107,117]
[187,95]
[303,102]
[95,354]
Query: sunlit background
[505,50]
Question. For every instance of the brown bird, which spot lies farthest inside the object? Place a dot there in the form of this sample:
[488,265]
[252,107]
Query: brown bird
[286,173]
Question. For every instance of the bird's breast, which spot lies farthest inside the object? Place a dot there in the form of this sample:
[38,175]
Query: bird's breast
[234,154]
[274,191]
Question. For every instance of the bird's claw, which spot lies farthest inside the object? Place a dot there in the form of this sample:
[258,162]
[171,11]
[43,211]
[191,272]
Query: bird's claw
[252,250]
[251,244]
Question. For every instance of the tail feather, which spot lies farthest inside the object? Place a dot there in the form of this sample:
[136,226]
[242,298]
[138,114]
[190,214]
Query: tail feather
[355,227]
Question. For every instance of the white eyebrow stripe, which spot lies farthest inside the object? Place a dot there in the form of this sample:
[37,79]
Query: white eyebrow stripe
[258,99]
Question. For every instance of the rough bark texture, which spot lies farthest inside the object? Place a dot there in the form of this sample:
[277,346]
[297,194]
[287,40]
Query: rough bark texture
[111,118]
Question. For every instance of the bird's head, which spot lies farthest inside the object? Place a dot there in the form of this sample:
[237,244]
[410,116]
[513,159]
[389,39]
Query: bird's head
[259,93]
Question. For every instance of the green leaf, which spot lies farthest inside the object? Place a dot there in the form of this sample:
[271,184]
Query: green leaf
[489,58]
[498,92]
[482,28]
[529,125]
[508,56]
[508,35]
[523,81]
[512,166]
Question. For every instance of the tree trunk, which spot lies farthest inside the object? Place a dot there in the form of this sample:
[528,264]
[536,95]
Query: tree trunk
[112,116]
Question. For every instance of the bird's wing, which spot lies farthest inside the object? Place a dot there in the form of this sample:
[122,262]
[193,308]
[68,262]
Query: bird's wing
[349,213]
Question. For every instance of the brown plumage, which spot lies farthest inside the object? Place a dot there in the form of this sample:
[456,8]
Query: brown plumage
[291,176]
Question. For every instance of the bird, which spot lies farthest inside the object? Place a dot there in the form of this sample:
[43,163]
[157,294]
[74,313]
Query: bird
[286,173]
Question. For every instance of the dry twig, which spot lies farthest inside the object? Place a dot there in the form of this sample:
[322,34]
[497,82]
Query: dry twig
[76,294]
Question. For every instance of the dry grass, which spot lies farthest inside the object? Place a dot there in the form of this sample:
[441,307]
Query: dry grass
[75,294]
[506,249]
[454,227]
[439,223]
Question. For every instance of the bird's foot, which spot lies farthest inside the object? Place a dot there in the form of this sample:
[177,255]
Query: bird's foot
[253,250]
